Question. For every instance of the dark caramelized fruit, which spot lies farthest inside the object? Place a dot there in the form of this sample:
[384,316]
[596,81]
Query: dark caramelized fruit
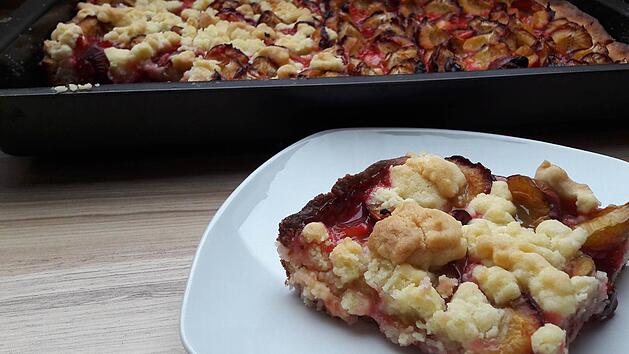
[517,339]
[477,7]
[479,178]
[533,203]
[581,265]
[609,228]
[262,68]
[607,243]
[571,37]
[437,8]
[430,36]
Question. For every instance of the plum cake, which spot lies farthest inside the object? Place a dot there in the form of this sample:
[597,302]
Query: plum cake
[123,41]
[445,256]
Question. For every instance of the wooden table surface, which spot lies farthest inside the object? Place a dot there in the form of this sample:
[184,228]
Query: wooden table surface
[94,254]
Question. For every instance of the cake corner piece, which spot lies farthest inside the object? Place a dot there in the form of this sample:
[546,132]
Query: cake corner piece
[449,258]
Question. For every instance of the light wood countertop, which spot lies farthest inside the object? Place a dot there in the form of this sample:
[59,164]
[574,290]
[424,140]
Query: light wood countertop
[94,256]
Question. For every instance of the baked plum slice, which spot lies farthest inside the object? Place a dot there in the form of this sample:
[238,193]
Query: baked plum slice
[232,60]
[607,243]
[535,202]
[479,179]
[571,37]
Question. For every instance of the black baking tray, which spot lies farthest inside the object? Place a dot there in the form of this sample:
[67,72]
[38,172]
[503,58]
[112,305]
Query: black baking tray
[36,120]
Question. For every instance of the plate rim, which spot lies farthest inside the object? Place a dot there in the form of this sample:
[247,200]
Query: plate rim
[227,203]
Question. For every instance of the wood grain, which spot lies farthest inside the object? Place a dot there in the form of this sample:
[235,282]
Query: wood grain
[94,254]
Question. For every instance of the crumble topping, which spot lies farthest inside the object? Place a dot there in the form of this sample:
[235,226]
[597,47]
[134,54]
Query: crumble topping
[184,60]
[287,11]
[551,288]
[301,42]
[315,232]
[311,288]
[119,58]
[142,32]
[74,87]
[153,44]
[410,293]
[495,206]
[385,198]
[444,174]
[247,38]
[498,284]
[348,260]
[63,41]
[468,317]
[355,303]
[585,287]
[446,286]
[60,89]
[549,339]
[535,258]
[201,4]
[552,240]
[563,239]
[378,272]
[419,236]
[407,291]
[327,60]
[429,180]
[559,180]
[202,69]
[67,34]
[317,259]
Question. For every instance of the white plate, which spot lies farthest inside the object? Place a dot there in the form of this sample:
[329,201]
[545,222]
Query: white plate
[236,301]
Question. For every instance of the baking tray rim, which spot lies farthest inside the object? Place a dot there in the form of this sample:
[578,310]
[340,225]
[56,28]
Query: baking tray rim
[315,82]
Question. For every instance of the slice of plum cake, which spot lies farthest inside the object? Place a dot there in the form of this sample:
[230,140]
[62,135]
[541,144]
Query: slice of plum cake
[445,256]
